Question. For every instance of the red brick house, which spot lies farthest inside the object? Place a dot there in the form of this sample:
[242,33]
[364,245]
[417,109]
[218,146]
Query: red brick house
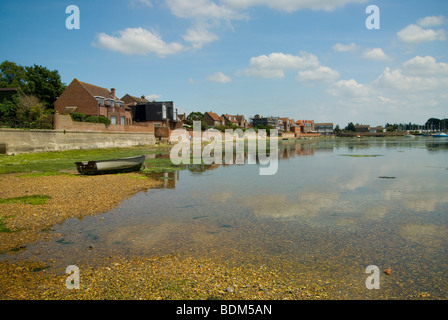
[132,101]
[92,100]
[213,120]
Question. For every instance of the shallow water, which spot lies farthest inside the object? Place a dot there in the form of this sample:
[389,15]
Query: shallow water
[333,208]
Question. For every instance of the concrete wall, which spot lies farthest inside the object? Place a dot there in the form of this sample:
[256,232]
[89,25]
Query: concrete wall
[23,141]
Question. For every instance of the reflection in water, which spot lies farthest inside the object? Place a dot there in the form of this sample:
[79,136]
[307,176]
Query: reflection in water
[321,211]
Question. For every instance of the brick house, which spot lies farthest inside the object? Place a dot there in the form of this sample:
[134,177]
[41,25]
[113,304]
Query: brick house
[230,119]
[92,100]
[306,126]
[132,101]
[213,120]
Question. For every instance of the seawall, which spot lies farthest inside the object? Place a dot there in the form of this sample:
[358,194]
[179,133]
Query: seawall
[24,141]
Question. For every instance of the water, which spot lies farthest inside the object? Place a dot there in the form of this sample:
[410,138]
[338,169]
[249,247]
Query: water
[334,207]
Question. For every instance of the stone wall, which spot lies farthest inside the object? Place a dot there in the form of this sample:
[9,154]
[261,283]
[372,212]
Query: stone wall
[23,141]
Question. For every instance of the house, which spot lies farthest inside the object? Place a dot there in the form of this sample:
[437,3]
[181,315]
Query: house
[93,100]
[376,129]
[284,124]
[132,101]
[325,129]
[159,113]
[265,121]
[306,126]
[213,120]
[230,120]
[242,122]
[362,128]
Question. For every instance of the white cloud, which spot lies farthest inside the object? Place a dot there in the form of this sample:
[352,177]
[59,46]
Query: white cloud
[153,97]
[274,64]
[349,88]
[137,3]
[338,47]
[219,77]
[396,80]
[416,34]
[432,21]
[202,10]
[375,54]
[425,66]
[137,41]
[199,36]
[321,74]
[291,5]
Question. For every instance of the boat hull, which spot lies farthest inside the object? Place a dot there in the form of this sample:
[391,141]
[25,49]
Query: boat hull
[111,166]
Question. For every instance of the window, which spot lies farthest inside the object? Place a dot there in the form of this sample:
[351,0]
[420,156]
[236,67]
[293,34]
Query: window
[113,120]
[122,121]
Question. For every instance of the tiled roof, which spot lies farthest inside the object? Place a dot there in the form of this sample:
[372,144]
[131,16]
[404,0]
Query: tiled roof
[97,91]
[214,116]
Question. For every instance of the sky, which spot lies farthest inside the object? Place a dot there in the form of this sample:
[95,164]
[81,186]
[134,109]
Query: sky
[302,59]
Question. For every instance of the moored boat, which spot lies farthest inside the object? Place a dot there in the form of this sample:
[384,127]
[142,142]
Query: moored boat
[111,166]
[440,135]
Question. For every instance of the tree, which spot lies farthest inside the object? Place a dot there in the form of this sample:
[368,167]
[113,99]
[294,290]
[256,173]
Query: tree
[36,80]
[8,109]
[44,84]
[194,116]
[350,127]
[30,109]
[12,75]
[337,129]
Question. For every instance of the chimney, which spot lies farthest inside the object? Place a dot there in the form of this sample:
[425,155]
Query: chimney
[112,92]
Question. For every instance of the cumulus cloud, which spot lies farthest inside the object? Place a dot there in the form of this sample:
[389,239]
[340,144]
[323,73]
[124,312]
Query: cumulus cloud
[219,77]
[432,21]
[291,5]
[375,54]
[425,66]
[348,88]
[415,34]
[338,47]
[199,36]
[137,41]
[274,65]
[320,74]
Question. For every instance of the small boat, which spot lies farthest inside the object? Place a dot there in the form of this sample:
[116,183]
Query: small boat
[440,135]
[409,136]
[111,166]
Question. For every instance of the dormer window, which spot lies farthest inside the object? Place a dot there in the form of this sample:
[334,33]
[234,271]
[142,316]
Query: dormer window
[100,100]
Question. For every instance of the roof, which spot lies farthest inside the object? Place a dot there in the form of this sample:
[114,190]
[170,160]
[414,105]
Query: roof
[214,116]
[135,99]
[230,118]
[362,126]
[324,124]
[96,91]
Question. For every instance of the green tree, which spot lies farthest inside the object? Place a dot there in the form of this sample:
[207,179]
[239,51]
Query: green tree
[350,127]
[8,109]
[337,129]
[12,75]
[34,80]
[44,84]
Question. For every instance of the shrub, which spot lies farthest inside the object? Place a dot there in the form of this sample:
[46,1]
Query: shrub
[98,119]
[78,116]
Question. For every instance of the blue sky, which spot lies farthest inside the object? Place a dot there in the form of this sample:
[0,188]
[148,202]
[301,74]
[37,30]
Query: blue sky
[301,59]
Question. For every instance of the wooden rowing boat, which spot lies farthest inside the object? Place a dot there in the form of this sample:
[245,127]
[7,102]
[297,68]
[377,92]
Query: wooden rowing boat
[111,166]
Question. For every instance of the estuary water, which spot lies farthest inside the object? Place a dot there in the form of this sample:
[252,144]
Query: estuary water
[334,207]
